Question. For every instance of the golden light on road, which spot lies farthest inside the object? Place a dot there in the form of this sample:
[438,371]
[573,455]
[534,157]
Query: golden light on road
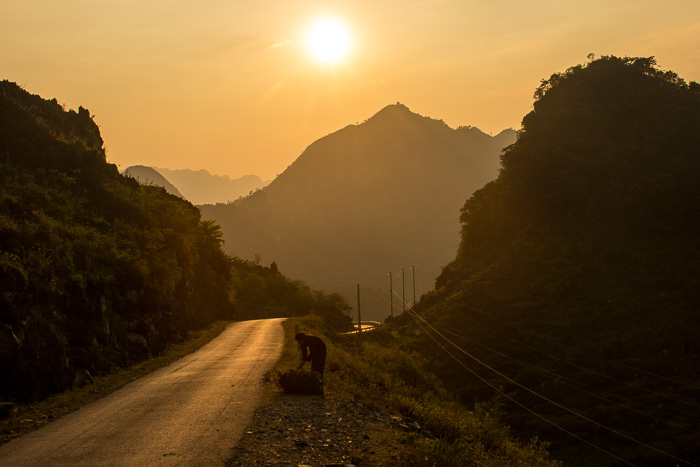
[328,41]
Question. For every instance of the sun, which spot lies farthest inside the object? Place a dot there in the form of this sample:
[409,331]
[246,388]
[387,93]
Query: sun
[328,41]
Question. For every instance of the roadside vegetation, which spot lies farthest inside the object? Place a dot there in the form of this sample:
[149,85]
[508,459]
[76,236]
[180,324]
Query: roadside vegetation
[24,418]
[99,273]
[373,368]
[577,274]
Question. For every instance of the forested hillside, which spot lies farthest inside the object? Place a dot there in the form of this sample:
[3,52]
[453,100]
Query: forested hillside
[368,199]
[97,271]
[577,277]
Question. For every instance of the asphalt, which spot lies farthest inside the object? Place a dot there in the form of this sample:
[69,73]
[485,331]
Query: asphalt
[190,413]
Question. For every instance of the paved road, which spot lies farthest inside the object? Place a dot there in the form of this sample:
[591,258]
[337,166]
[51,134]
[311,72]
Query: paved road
[190,413]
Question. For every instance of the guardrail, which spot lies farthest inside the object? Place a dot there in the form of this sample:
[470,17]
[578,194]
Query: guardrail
[368,323]
[366,326]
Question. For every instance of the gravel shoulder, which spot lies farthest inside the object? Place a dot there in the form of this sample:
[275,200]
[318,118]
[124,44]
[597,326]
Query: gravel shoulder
[296,430]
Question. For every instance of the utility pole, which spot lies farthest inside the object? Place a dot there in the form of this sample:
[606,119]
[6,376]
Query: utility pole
[391,294]
[403,291]
[414,284]
[359,313]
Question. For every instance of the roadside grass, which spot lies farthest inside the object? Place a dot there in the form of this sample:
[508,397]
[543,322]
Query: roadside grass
[26,418]
[372,368]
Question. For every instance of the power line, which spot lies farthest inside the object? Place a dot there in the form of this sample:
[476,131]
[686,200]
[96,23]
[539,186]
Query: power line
[573,412]
[427,278]
[690,404]
[576,385]
[581,367]
[383,298]
[515,401]
[582,351]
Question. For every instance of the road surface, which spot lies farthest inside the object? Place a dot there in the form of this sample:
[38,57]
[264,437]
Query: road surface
[190,413]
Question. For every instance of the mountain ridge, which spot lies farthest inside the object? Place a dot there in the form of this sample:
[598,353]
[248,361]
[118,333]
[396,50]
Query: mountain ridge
[150,176]
[345,197]
[578,268]
[202,187]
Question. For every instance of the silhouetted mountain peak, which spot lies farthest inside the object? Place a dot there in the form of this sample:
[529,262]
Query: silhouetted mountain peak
[149,176]
[394,110]
[393,148]
[344,199]
[507,132]
[399,116]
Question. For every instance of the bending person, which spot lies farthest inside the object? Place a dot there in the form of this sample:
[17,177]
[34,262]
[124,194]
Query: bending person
[312,350]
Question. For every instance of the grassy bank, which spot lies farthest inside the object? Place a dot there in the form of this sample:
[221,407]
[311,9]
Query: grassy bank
[374,369]
[25,418]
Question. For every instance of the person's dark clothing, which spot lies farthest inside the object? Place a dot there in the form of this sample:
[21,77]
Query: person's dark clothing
[313,350]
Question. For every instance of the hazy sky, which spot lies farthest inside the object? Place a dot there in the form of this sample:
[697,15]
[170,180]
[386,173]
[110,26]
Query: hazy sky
[230,86]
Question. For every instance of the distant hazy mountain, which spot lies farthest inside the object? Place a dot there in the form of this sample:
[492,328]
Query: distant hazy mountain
[366,200]
[149,176]
[201,187]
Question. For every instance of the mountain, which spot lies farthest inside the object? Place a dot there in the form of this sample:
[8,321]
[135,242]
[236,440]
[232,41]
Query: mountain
[201,187]
[368,199]
[150,176]
[576,287]
[96,271]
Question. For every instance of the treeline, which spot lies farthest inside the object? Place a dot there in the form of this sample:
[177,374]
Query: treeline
[577,274]
[97,271]
[264,292]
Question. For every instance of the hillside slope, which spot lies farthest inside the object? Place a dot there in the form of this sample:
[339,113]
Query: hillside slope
[96,272]
[578,272]
[368,199]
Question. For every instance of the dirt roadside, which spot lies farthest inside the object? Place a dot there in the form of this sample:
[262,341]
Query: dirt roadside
[295,430]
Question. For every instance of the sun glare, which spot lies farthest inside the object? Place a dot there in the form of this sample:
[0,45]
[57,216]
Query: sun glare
[328,41]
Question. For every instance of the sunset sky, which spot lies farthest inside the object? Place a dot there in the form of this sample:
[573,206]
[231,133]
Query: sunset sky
[232,87]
